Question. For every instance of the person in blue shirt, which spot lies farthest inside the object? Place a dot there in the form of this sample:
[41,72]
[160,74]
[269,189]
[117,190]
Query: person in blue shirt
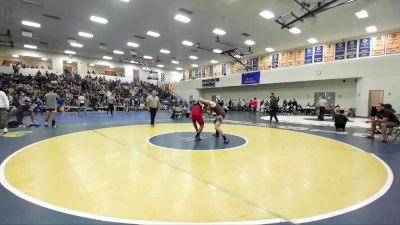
[127,103]
[61,104]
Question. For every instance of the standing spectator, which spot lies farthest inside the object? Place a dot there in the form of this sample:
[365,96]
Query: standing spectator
[111,102]
[153,103]
[322,105]
[273,108]
[82,103]
[4,106]
[51,108]
[254,104]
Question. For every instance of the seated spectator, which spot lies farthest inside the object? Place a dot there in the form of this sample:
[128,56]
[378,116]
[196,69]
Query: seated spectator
[385,119]
[340,121]
[25,109]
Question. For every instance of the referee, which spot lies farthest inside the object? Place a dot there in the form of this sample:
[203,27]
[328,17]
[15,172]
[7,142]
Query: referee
[153,104]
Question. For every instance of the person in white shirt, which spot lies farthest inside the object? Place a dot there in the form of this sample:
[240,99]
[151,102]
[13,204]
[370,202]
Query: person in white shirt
[82,104]
[322,105]
[4,106]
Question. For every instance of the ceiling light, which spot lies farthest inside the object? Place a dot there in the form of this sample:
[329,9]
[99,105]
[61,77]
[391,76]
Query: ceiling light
[44,59]
[125,0]
[69,52]
[249,42]
[267,14]
[133,44]
[362,14]
[112,67]
[371,29]
[26,33]
[98,19]
[174,62]
[30,46]
[213,61]
[107,57]
[15,55]
[160,66]
[187,43]
[193,57]
[76,45]
[295,30]
[146,68]
[179,68]
[118,52]
[92,64]
[218,31]
[85,34]
[269,49]
[153,34]
[182,18]
[218,51]
[134,62]
[31,24]
[147,57]
[238,56]
[312,41]
[195,65]
[165,51]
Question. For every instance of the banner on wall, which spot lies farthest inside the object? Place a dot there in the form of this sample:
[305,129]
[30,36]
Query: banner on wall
[340,49]
[364,48]
[275,60]
[290,58]
[308,58]
[319,54]
[251,78]
[378,45]
[393,44]
[299,54]
[351,51]
[329,50]
[203,72]
[209,82]
[282,59]
[255,64]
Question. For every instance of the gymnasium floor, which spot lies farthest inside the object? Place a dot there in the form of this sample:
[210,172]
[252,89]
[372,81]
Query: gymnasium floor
[107,170]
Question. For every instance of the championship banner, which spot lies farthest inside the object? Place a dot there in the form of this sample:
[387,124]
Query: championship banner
[308,57]
[211,71]
[282,59]
[299,56]
[393,45]
[378,45]
[223,69]
[329,52]
[340,49]
[319,54]
[364,48]
[351,52]
[192,74]
[262,62]
[251,78]
[290,58]
[275,60]
[255,64]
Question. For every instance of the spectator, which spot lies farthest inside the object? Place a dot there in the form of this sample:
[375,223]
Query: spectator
[385,119]
[340,121]
[4,106]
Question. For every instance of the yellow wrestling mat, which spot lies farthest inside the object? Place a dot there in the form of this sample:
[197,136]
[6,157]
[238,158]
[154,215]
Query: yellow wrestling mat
[115,174]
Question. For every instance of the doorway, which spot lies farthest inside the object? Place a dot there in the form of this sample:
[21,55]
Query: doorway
[375,97]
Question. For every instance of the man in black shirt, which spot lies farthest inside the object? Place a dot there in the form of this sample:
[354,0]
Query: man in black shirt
[384,119]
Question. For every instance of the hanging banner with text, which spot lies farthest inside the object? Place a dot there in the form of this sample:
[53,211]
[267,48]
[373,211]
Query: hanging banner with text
[340,50]
[351,52]
[319,54]
[364,48]
[308,58]
[275,60]
[251,78]
[378,45]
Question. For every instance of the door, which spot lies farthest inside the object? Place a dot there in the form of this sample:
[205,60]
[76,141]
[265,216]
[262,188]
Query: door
[375,97]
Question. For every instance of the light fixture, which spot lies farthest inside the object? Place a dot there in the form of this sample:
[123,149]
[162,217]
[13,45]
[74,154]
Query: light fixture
[92,64]
[76,45]
[69,52]
[85,34]
[107,57]
[182,18]
[193,57]
[118,52]
[312,41]
[218,51]
[30,46]
[112,67]
[134,62]
[44,59]
[146,68]
[125,0]
[147,57]
[213,61]
[237,56]
[267,14]
[30,24]
[15,55]
[371,29]
[195,65]
[165,51]
[179,68]
[26,33]
[153,33]
[249,42]
[133,44]
[295,30]
[219,32]
[269,49]
[175,62]
[187,43]
[160,66]
[98,19]
[362,14]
